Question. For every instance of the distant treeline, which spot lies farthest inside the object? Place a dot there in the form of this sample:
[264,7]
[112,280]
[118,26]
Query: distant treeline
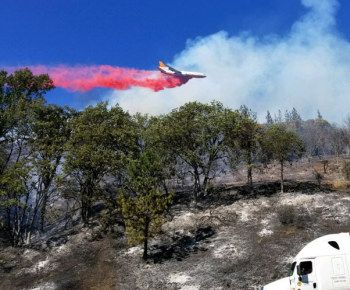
[55,161]
[320,137]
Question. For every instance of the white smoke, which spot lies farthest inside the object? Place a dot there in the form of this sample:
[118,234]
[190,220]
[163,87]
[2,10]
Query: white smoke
[307,69]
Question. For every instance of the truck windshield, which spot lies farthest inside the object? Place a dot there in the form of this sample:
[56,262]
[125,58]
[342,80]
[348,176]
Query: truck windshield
[291,271]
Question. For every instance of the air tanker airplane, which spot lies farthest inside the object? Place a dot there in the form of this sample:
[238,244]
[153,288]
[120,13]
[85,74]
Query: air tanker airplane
[165,69]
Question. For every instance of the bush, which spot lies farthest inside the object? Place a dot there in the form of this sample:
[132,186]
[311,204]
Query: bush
[288,215]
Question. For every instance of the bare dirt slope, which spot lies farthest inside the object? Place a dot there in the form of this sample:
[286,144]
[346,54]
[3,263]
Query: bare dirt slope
[249,248]
[231,240]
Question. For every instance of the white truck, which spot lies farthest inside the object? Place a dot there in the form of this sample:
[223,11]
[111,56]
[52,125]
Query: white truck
[323,264]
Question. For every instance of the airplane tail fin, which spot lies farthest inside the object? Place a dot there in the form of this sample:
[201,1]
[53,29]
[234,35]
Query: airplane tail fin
[162,64]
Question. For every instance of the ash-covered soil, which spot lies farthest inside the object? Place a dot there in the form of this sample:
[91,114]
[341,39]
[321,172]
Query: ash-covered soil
[234,239]
[250,245]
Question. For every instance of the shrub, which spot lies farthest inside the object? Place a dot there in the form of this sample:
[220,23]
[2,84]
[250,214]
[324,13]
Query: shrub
[290,216]
[286,215]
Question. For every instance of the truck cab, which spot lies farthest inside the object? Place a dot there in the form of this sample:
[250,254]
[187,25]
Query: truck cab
[322,264]
[303,274]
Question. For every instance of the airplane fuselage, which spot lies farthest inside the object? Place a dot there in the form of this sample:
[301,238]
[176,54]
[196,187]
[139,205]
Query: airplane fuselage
[184,74]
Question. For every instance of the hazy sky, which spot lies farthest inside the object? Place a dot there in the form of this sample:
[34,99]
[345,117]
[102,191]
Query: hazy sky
[267,54]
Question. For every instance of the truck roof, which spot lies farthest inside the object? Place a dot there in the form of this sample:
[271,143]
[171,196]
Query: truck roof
[334,244]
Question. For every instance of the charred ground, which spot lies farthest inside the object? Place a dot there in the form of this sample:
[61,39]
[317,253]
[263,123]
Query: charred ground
[235,238]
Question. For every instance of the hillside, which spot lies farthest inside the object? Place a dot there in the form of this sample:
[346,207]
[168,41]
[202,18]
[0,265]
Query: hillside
[233,239]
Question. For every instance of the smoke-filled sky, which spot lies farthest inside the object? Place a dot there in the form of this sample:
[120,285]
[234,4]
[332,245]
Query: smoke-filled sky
[307,68]
[267,54]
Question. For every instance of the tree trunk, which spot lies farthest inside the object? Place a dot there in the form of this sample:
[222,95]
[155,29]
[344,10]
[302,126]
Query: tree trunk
[282,179]
[32,222]
[205,186]
[249,170]
[43,213]
[84,206]
[196,184]
[45,192]
[145,240]
[86,201]
[249,176]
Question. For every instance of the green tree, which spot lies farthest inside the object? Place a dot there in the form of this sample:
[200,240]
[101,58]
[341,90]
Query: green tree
[287,116]
[247,139]
[160,165]
[14,201]
[164,168]
[296,119]
[143,204]
[269,120]
[100,141]
[50,135]
[278,118]
[194,135]
[281,145]
[20,93]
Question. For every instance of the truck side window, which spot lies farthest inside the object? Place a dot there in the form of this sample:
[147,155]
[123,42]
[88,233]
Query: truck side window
[334,244]
[305,268]
[291,271]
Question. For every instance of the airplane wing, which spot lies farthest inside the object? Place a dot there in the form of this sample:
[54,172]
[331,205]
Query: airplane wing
[162,64]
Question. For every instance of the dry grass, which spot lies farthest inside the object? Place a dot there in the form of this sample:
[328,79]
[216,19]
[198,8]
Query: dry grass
[339,184]
[289,231]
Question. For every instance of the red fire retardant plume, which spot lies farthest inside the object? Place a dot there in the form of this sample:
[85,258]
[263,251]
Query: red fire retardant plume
[84,78]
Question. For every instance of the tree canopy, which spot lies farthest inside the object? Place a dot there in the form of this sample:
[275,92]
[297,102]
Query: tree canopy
[282,145]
